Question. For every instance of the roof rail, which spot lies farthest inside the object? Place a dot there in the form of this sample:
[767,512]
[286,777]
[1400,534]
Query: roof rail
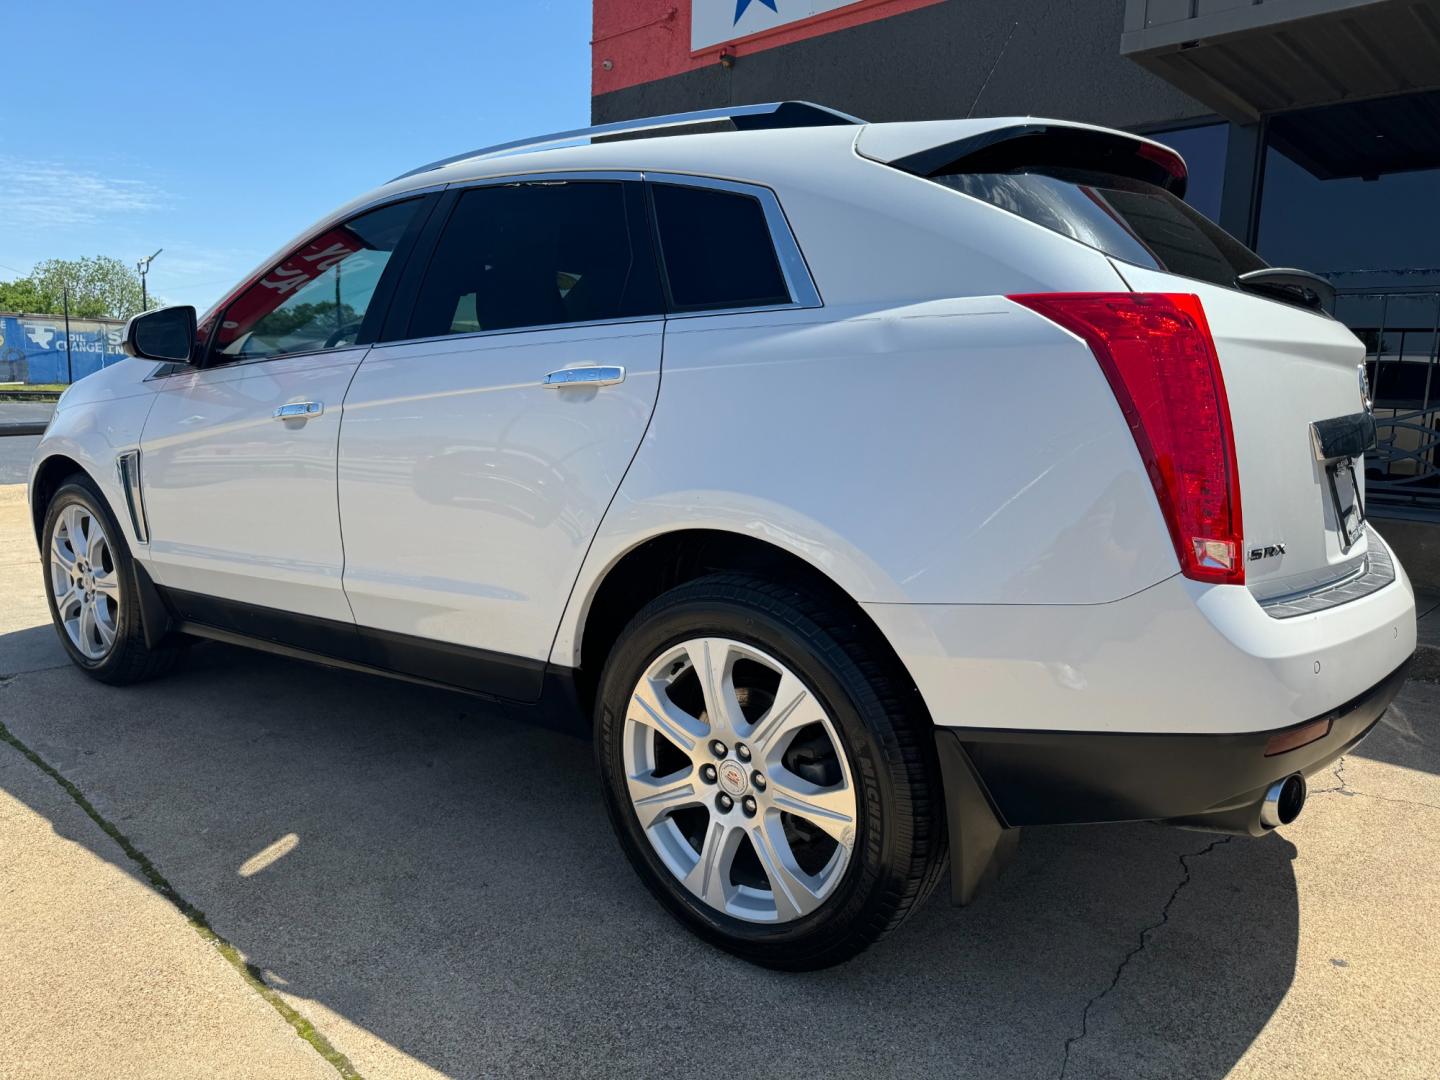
[773,114]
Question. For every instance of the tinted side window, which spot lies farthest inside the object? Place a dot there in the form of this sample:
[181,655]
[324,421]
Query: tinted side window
[318,296]
[538,254]
[717,248]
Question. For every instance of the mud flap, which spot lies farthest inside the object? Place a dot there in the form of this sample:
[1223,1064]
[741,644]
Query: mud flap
[154,615]
[980,845]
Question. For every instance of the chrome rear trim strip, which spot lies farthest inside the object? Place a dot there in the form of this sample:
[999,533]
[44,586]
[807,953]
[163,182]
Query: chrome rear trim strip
[1378,571]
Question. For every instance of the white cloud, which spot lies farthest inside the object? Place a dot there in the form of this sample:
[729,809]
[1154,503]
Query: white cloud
[49,195]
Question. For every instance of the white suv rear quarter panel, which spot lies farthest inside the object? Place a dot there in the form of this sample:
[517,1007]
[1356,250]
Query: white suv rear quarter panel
[957,451]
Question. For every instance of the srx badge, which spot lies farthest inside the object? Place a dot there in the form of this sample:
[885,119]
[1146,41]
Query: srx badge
[1269,551]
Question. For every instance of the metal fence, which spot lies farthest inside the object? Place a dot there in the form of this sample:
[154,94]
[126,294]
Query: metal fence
[1401,332]
[44,349]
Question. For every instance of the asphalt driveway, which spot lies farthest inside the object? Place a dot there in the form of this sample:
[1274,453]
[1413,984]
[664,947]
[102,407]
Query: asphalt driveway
[24,416]
[433,887]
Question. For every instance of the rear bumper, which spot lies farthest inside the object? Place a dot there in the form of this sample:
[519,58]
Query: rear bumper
[1071,777]
[1180,657]
[1159,706]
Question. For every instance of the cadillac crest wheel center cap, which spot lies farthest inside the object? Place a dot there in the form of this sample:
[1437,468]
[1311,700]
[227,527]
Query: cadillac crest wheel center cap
[734,778]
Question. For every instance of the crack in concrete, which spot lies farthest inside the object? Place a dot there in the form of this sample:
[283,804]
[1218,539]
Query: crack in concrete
[12,675]
[1402,802]
[1185,858]
[1343,788]
[193,915]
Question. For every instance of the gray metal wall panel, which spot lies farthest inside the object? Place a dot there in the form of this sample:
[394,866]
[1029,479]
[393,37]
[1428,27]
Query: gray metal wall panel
[1160,12]
[1216,18]
[1210,7]
[959,58]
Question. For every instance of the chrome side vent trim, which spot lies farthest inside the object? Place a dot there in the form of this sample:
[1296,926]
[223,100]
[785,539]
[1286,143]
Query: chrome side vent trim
[128,465]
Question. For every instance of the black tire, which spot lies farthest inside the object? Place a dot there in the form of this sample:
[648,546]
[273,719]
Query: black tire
[129,660]
[899,846]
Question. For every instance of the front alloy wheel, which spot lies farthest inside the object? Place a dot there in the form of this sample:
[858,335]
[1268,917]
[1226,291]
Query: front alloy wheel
[84,581]
[93,586]
[738,778]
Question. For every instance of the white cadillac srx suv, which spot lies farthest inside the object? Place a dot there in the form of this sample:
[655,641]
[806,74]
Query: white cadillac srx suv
[874,491]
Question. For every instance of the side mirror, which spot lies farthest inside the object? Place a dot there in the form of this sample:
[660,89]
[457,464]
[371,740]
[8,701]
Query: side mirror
[167,334]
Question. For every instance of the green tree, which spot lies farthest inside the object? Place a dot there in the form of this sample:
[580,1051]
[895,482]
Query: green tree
[102,286]
[23,294]
[321,316]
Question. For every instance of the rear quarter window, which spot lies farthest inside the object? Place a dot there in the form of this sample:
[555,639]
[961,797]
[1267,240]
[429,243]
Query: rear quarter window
[717,249]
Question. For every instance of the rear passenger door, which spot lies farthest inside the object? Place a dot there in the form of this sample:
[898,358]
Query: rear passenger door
[481,449]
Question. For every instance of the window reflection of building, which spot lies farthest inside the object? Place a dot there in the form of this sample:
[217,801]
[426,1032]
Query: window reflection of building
[1349,192]
[1203,148]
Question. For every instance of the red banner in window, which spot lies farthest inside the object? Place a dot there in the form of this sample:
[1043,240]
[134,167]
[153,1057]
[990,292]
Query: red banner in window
[280,283]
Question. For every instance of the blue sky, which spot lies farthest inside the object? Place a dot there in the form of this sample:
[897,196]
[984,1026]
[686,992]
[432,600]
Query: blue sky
[218,132]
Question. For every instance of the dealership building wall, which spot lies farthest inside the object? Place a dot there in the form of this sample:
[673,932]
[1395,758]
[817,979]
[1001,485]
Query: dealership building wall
[1311,128]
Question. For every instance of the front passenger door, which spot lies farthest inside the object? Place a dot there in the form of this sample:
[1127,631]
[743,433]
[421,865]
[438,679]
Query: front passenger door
[238,456]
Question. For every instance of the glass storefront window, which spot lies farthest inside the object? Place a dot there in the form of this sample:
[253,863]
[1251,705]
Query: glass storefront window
[1351,190]
[1203,149]
[1348,224]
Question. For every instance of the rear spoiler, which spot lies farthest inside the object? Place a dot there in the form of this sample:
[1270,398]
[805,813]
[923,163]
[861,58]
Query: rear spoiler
[935,149]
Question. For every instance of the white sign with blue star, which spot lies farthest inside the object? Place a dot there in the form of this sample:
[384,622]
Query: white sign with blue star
[714,22]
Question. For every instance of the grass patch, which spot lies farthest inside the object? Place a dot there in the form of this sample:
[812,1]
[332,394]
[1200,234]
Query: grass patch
[193,915]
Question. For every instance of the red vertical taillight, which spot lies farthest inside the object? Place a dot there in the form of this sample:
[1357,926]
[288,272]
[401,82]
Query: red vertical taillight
[1158,355]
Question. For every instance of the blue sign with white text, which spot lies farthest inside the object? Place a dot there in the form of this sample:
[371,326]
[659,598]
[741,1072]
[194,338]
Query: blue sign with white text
[33,348]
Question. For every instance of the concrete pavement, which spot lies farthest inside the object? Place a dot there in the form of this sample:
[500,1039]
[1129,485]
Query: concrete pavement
[99,974]
[433,885]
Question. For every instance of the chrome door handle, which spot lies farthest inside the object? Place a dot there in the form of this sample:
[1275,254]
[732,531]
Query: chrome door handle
[300,410]
[584,376]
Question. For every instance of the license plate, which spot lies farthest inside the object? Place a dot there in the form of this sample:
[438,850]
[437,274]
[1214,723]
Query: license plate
[1346,501]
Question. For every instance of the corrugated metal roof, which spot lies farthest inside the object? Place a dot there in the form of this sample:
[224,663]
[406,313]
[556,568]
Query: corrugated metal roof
[1246,58]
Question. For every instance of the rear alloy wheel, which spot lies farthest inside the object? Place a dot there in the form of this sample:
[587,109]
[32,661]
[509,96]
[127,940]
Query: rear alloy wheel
[738,778]
[768,770]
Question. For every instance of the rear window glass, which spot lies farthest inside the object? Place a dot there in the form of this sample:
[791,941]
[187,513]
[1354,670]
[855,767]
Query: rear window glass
[1130,220]
[717,248]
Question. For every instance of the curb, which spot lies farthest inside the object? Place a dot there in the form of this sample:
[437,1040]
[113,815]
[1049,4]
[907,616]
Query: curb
[32,428]
[30,395]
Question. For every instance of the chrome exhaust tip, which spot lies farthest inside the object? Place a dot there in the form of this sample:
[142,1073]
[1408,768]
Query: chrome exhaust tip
[1283,802]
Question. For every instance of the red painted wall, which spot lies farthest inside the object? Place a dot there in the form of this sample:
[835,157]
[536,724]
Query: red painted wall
[639,41]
